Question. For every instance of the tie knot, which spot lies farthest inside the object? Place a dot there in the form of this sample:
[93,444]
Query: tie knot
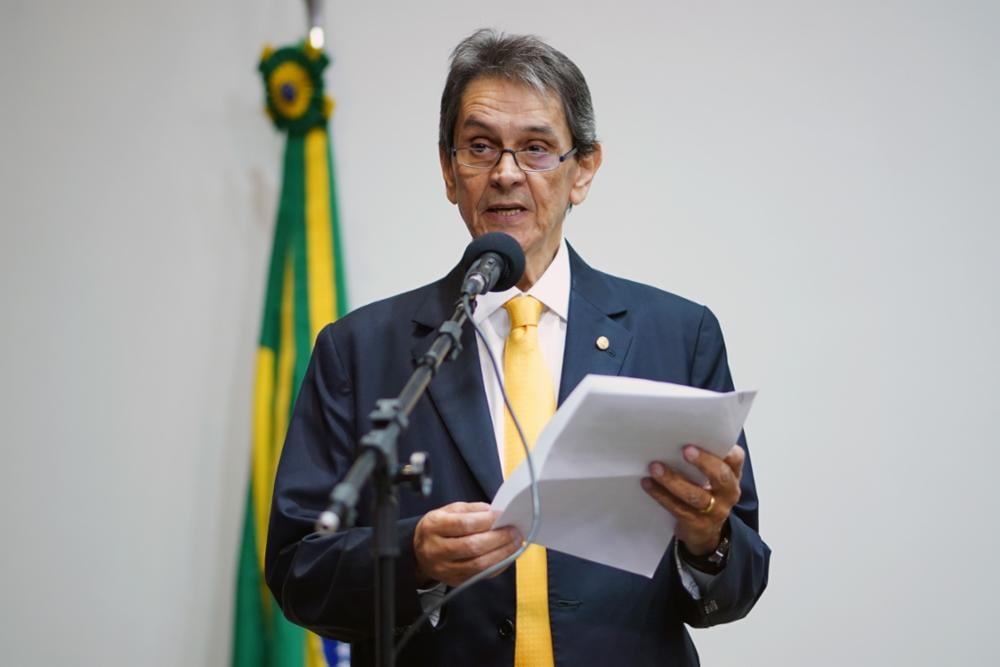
[524,311]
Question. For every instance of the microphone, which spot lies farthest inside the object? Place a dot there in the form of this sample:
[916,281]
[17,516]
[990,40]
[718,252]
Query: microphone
[497,263]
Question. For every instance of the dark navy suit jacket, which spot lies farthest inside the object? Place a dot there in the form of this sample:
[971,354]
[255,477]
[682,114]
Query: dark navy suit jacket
[599,615]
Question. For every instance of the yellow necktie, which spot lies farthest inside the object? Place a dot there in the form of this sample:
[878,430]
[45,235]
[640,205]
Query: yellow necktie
[532,395]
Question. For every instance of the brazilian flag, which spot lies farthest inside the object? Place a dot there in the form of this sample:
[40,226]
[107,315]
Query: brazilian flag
[305,291]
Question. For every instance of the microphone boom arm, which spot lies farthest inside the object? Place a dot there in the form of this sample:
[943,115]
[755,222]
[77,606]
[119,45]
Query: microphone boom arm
[379,460]
[497,263]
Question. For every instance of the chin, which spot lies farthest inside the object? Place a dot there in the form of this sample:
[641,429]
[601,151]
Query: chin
[521,231]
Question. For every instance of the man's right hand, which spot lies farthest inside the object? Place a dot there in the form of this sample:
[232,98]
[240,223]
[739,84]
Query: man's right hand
[454,542]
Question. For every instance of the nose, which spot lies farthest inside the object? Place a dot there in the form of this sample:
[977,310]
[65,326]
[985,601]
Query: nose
[506,173]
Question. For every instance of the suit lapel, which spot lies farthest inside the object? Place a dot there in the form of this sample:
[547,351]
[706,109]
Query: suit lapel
[594,310]
[457,391]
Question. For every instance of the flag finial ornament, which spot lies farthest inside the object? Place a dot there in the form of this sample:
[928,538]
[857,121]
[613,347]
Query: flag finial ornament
[293,85]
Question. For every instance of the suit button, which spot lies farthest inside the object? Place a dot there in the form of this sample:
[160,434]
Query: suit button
[506,629]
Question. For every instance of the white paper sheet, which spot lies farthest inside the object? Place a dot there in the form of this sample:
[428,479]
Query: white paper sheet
[593,452]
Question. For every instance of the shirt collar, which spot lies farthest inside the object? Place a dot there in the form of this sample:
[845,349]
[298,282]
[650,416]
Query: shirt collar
[552,289]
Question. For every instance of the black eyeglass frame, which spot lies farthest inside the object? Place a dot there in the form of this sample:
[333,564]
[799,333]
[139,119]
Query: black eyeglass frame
[562,158]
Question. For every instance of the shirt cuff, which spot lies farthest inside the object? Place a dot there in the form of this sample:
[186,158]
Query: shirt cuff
[429,597]
[694,582]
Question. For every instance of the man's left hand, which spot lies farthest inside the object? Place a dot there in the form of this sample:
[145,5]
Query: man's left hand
[701,511]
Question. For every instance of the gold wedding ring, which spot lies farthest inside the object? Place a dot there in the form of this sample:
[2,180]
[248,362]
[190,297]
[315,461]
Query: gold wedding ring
[709,507]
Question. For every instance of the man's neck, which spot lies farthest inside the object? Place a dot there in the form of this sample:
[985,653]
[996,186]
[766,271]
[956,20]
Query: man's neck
[535,268]
[552,289]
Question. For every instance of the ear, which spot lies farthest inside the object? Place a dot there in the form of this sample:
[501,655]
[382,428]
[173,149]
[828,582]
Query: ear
[587,167]
[448,171]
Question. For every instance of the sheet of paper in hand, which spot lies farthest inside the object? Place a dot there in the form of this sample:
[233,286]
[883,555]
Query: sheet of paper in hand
[593,452]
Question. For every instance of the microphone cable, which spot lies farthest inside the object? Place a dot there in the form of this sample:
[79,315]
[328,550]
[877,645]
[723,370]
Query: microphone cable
[536,511]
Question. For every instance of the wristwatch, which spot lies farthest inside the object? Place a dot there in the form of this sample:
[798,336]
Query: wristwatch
[712,562]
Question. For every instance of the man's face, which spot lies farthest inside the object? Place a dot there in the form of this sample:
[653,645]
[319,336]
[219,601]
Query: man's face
[530,206]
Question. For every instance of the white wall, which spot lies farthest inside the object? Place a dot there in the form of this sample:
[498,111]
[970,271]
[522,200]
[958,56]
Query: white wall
[824,175]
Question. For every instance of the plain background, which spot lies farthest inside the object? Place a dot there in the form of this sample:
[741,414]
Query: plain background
[824,175]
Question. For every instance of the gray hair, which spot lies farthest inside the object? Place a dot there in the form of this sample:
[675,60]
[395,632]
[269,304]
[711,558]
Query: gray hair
[527,60]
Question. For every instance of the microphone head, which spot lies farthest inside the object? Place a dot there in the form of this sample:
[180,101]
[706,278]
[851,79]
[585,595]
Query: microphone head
[507,248]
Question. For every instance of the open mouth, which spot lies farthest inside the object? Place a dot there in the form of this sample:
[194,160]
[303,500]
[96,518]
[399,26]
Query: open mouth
[506,211]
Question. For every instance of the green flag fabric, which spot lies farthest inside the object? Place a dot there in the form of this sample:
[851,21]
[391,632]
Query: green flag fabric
[305,291]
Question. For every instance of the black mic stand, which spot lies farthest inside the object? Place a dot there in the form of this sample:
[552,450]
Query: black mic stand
[379,459]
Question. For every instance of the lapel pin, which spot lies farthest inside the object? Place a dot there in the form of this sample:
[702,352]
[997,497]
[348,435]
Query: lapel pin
[602,343]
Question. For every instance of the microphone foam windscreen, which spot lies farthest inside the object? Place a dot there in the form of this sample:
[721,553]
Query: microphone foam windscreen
[503,245]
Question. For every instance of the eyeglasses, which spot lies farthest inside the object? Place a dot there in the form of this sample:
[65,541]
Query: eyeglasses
[533,158]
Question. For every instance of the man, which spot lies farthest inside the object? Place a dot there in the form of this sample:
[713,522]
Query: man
[517,150]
